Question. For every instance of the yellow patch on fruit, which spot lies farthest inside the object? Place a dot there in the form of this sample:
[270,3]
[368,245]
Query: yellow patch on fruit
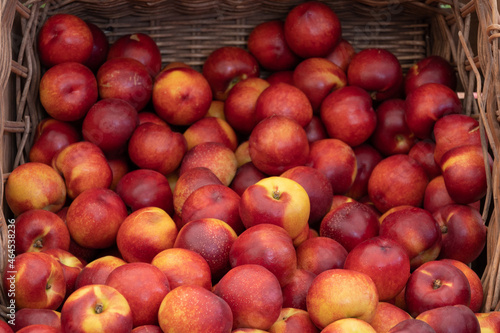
[298,210]
[52,291]
[90,324]
[153,214]
[216,110]
[70,261]
[224,225]
[178,76]
[487,330]
[453,161]
[120,307]
[20,272]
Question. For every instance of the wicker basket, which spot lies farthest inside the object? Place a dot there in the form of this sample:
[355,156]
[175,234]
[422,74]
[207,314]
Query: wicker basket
[188,30]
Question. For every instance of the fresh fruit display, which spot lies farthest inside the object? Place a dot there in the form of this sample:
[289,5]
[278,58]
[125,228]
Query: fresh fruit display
[297,183]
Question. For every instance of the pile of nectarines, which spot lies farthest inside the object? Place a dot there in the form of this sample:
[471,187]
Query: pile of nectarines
[295,185]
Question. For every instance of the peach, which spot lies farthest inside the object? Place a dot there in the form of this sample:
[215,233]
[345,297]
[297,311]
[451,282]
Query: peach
[71,265]
[248,330]
[182,267]
[318,188]
[319,254]
[436,285]
[283,99]
[385,261]
[367,157]
[192,308]
[239,107]
[216,110]
[412,325]
[100,47]
[119,168]
[267,43]
[397,180]
[399,222]
[94,217]
[295,291]
[278,143]
[242,153]
[336,160]
[253,294]
[455,318]
[436,195]
[387,316]
[350,223]
[45,190]
[39,328]
[341,293]
[226,66]
[97,271]
[212,239]
[476,287]
[276,200]
[27,316]
[38,229]
[428,103]
[211,129]
[392,135]
[145,233]
[246,175]
[144,286]
[465,172]
[423,152]
[188,182]
[315,130]
[94,308]
[378,71]
[342,54]
[317,78]
[293,320]
[267,245]
[126,79]
[147,329]
[109,124]
[348,115]
[157,147]
[312,40]
[463,232]
[37,280]
[455,130]
[143,188]
[214,201]
[151,117]
[489,321]
[346,325]
[181,96]
[220,159]
[83,166]
[51,136]
[432,68]
[285,76]
[138,46]
[64,38]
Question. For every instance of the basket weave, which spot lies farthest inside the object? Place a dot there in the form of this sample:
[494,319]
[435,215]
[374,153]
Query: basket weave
[465,33]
